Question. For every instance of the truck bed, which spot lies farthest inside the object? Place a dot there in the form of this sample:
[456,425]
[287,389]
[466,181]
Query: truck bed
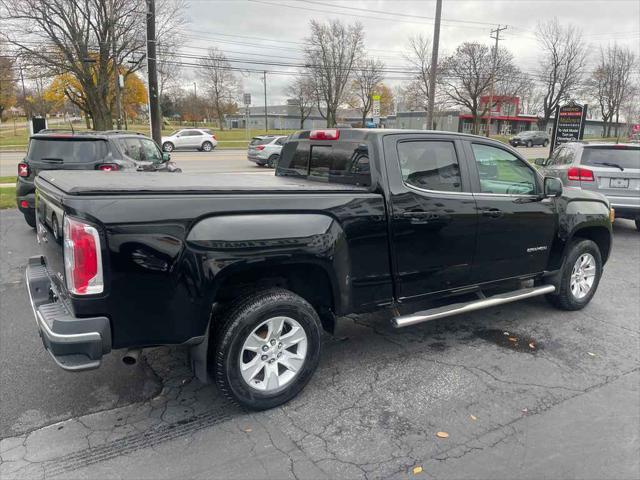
[120,183]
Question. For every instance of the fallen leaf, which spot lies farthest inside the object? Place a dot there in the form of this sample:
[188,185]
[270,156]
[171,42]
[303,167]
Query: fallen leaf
[506,334]
[525,410]
[417,469]
[473,417]
[513,339]
[591,354]
[247,429]
[442,435]
[532,345]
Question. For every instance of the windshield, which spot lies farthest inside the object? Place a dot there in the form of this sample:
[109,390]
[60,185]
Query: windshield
[625,157]
[67,150]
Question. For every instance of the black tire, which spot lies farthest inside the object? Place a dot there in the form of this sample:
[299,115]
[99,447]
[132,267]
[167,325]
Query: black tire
[240,320]
[273,161]
[30,218]
[529,144]
[207,147]
[638,224]
[564,298]
[168,147]
[545,143]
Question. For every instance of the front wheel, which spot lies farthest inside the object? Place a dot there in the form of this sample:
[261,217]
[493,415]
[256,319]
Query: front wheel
[545,143]
[207,147]
[579,277]
[267,349]
[167,147]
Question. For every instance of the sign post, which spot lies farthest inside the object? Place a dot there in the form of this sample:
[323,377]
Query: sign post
[375,110]
[246,99]
[568,125]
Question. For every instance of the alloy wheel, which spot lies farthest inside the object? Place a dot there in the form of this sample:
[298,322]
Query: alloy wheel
[583,276]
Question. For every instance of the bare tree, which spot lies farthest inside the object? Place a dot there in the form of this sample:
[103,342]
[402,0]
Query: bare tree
[419,56]
[331,53]
[220,82]
[610,83]
[7,83]
[87,39]
[303,93]
[368,77]
[562,65]
[466,77]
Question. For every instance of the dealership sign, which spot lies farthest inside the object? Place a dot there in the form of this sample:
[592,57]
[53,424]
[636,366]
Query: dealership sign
[569,124]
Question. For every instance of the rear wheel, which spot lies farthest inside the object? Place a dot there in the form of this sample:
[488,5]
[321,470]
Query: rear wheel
[267,349]
[579,277]
[273,161]
[529,144]
[168,147]
[30,218]
[207,146]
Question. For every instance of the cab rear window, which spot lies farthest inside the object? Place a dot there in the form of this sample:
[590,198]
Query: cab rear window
[66,150]
[343,162]
[625,157]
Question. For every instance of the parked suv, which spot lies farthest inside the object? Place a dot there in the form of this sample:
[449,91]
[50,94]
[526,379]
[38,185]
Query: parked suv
[609,168]
[265,150]
[107,151]
[192,138]
[530,138]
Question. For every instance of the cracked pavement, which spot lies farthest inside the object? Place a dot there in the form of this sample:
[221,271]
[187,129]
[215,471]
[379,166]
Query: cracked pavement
[568,408]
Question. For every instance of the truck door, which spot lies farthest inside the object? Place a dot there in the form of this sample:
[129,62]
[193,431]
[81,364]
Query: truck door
[515,224]
[433,214]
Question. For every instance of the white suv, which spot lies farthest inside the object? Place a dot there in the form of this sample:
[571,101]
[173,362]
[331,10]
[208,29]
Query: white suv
[194,138]
[265,150]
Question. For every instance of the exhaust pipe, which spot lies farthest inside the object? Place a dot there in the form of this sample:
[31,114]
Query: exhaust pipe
[131,356]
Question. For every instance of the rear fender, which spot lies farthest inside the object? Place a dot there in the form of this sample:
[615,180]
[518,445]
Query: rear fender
[236,245]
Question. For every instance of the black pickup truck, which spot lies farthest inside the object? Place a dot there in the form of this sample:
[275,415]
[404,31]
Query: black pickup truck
[246,269]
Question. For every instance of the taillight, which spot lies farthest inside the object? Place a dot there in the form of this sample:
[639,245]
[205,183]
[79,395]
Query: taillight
[260,147]
[580,174]
[23,170]
[108,167]
[213,136]
[82,258]
[24,204]
[328,134]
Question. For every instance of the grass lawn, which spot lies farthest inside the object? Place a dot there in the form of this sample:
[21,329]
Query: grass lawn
[9,179]
[236,138]
[7,197]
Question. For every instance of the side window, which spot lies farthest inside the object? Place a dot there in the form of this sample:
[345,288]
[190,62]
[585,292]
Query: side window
[569,156]
[281,141]
[132,148]
[432,165]
[149,151]
[190,133]
[501,172]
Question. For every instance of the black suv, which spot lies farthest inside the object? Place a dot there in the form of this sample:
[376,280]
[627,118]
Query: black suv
[108,151]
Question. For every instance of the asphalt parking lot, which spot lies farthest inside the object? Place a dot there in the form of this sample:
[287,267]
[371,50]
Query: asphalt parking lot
[523,391]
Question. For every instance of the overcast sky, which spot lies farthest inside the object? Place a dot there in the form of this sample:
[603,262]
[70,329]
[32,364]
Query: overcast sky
[273,30]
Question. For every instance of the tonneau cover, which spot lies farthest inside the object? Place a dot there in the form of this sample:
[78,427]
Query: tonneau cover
[121,183]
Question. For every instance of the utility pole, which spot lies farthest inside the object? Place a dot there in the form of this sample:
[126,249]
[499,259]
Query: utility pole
[434,65]
[493,73]
[266,125]
[116,70]
[24,96]
[195,102]
[154,106]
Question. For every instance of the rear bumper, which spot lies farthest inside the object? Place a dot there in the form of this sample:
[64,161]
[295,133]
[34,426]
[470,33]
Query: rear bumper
[74,343]
[625,207]
[257,159]
[25,192]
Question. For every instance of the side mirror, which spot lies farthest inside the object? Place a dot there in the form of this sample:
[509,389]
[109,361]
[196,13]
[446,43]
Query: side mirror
[166,156]
[540,162]
[552,187]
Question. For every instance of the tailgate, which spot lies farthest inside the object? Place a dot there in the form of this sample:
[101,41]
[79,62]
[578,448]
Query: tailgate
[49,222]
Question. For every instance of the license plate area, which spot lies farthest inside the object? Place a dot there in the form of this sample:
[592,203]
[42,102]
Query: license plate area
[619,182]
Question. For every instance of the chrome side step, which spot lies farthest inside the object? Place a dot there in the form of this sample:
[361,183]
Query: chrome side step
[465,307]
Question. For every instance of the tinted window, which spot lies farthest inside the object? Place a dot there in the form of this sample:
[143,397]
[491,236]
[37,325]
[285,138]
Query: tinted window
[294,159]
[149,151]
[67,151]
[281,141]
[625,157]
[340,163]
[431,165]
[190,133]
[132,148]
[502,172]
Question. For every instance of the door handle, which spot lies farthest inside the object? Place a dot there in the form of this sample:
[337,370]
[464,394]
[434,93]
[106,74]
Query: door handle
[492,212]
[416,214]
